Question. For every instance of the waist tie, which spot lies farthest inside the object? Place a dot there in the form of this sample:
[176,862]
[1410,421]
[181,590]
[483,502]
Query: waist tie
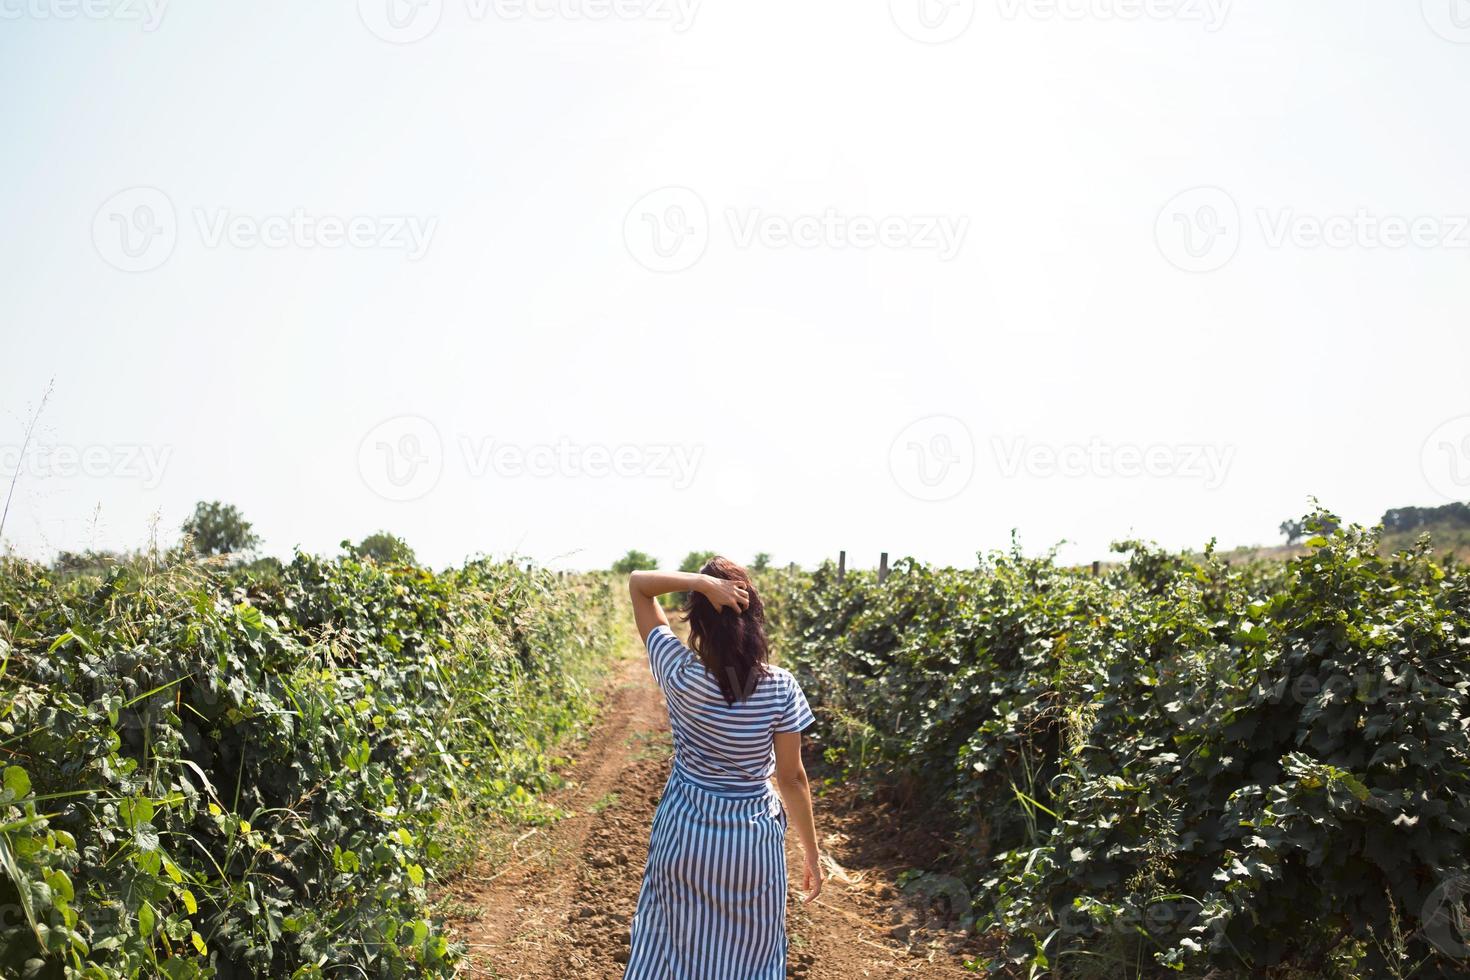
[731,789]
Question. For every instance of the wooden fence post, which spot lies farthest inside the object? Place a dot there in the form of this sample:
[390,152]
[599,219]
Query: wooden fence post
[841,565]
[1096,567]
[883,568]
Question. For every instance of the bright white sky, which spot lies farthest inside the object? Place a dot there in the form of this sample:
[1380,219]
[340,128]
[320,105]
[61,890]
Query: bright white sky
[769,397]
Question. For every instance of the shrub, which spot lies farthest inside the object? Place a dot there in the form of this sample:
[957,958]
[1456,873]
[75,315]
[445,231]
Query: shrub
[211,775]
[1178,764]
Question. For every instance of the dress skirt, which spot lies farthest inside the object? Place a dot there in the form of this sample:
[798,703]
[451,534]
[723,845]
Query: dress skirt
[712,905]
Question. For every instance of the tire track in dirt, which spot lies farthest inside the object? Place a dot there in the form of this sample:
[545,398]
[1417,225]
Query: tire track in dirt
[557,901]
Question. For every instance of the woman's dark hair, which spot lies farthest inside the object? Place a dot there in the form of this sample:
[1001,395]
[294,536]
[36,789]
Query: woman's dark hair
[731,645]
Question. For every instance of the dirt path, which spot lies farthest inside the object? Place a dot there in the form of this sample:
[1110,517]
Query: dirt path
[556,901]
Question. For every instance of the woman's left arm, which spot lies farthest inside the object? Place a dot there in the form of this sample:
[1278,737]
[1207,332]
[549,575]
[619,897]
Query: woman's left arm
[644,588]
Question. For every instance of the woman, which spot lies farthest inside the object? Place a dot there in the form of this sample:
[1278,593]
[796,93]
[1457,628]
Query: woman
[713,901]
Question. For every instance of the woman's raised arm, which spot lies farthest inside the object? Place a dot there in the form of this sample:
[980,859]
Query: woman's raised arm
[644,588]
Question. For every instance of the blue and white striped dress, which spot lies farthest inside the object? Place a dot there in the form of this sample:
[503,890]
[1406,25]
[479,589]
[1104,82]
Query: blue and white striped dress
[713,901]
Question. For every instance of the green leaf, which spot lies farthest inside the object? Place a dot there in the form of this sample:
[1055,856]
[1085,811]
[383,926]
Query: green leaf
[17,782]
[250,617]
[135,812]
[22,886]
[145,838]
[61,886]
[358,757]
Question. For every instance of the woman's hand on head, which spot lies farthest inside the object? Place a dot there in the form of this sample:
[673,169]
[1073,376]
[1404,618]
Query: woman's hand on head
[725,594]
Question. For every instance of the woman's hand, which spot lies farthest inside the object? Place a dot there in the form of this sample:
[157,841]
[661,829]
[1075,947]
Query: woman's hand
[811,879]
[724,593]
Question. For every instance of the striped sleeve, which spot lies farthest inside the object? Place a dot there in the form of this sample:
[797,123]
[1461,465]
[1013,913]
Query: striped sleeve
[796,713]
[665,654]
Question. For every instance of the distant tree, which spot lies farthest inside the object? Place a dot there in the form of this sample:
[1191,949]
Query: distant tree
[382,547]
[1318,523]
[1413,518]
[70,562]
[265,571]
[634,561]
[695,560]
[220,529]
[1294,530]
[761,561]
